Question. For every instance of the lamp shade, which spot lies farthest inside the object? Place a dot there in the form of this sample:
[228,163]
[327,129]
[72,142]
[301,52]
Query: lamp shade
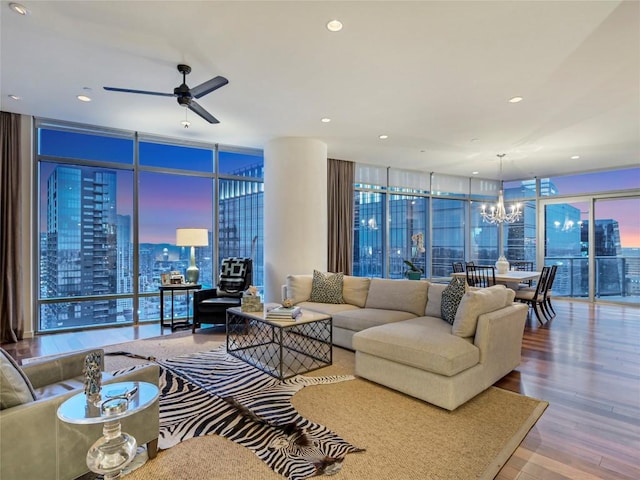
[192,237]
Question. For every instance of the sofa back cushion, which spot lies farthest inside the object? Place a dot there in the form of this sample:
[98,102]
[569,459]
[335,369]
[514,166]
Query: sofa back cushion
[15,387]
[404,295]
[299,287]
[477,302]
[355,290]
[434,299]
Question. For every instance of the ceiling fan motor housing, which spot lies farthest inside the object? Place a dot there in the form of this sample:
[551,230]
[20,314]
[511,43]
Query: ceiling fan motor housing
[184,100]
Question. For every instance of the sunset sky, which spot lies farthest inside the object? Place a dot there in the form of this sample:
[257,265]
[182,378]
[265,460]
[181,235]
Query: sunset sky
[169,201]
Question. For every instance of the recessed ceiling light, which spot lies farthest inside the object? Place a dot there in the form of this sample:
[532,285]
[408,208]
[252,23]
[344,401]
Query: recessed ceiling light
[383,137]
[334,26]
[19,8]
[575,157]
[325,120]
[515,99]
[83,98]
[14,97]
[475,173]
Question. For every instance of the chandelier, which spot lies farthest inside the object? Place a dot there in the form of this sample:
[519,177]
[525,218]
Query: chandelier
[498,213]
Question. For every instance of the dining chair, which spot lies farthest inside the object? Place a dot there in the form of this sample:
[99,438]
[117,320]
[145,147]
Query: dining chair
[458,267]
[535,297]
[481,275]
[522,266]
[547,294]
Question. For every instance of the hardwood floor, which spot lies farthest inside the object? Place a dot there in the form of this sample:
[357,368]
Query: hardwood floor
[585,363]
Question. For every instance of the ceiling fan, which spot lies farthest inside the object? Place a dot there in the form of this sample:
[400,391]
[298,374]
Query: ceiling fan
[184,94]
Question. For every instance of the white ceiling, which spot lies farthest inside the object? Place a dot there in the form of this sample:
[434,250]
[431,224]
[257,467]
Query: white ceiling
[435,76]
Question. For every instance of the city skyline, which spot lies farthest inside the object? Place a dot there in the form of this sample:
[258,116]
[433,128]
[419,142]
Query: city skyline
[173,196]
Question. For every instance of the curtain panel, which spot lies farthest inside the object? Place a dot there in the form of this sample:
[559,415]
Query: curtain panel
[340,178]
[11,308]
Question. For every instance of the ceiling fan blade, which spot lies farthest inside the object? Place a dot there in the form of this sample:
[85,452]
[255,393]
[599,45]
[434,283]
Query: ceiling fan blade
[197,108]
[208,86]
[144,92]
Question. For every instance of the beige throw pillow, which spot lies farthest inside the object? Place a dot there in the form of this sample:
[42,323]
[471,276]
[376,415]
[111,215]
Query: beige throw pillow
[15,387]
[475,303]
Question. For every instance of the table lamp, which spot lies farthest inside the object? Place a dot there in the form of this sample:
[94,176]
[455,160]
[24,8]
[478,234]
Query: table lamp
[192,237]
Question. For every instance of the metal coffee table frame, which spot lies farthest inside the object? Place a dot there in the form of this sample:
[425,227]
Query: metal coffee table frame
[282,349]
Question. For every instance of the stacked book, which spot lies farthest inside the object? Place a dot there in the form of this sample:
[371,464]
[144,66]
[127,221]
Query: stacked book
[284,313]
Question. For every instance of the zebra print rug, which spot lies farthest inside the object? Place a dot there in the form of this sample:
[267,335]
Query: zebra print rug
[213,393]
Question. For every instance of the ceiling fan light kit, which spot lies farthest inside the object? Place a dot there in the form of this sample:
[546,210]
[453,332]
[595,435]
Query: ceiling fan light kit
[185,95]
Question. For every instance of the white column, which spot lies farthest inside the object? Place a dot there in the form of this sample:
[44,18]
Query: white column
[295,210]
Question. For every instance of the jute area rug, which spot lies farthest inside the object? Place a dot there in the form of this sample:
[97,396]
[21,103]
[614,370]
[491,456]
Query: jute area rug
[404,438]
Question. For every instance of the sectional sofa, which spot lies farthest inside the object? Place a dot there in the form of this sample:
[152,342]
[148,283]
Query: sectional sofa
[402,342]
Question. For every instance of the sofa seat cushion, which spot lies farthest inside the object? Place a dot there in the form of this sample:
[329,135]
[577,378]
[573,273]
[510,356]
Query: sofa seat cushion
[327,308]
[362,318]
[403,295]
[215,305]
[423,342]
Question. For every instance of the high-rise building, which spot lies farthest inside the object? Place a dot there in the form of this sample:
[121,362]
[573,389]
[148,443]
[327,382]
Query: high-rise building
[81,253]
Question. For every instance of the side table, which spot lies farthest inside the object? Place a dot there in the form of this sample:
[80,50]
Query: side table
[116,449]
[185,287]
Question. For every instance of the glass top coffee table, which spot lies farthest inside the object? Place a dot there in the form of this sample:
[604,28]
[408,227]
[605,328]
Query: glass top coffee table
[281,348]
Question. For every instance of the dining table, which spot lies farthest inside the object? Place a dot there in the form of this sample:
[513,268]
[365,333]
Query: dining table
[511,278]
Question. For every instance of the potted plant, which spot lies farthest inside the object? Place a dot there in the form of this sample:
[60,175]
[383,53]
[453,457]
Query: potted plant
[413,272]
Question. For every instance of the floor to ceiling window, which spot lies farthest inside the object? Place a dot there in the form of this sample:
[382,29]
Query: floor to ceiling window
[408,220]
[595,242]
[519,237]
[593,239]
[109,205]
[240,207]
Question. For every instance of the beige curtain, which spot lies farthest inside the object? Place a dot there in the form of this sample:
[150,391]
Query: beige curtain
[340,177]
[11,309]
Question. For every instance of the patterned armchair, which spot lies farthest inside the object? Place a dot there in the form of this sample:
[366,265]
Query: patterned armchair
[210,305]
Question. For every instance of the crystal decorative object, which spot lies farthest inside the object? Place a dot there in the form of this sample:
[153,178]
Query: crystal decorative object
[115,449]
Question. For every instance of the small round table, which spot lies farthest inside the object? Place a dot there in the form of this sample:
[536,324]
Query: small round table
[116,449]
